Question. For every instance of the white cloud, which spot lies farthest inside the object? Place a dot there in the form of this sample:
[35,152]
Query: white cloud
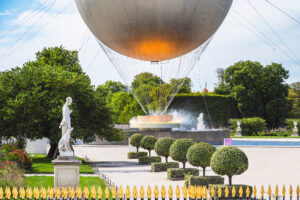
[232,42]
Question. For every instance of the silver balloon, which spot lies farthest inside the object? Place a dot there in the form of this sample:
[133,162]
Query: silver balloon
[153,30]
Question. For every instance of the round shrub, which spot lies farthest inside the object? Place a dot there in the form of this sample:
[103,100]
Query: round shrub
[135,140]
[162,146]
[148,143]
[229,161]
[199,155]
[179,148]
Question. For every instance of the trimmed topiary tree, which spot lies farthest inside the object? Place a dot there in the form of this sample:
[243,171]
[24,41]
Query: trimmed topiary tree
[162,146]
[229,161]
[199,155]
[148,143]
[179,148]
[135,140]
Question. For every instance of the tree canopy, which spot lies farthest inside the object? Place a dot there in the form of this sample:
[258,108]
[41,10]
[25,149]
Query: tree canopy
[32,97]
[259,91]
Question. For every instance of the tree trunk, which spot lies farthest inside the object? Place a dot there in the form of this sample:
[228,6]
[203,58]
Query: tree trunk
[53,151]
[203,171]
[230,180]
[183,166]
[166,159]
[149,152]
[137,149]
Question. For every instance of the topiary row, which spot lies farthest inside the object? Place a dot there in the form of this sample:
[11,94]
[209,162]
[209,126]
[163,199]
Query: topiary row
[227,161]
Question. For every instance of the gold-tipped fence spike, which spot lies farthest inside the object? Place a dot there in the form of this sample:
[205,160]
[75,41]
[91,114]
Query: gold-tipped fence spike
[254,191]
[212,191]
[142,192]
[204,192]
[190,192]
[36,193]
[291,191]
[43,193]
[283,190]
[297,191]
[127,192]
[156,192]
[163,192]
[248,192]
[86,192]
[78,192]
[93,192]
[199,192]
[134,192]
[1,193]
[219,192]
[64,192]
[269,191]
[226,192]
[184,192]
[50,193]
[276,191]
[106,192]
[7,193]
[170,192]
[241,192]
[113,192]
[15,193]
[29,193]
[99,192]
[177,192]
[262,192]
[120,192]
[233,192]
[21,193]
[149,192]
[71,193]
[57,192]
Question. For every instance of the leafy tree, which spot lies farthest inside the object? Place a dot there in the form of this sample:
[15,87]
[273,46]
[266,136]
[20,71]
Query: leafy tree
[148,143]
[183,84]
[32,97]
[229,161]
[179,148]
[162,146]
[259,91]
[145,78]
[58,56]
[135,140]
[200,154]
[294,91]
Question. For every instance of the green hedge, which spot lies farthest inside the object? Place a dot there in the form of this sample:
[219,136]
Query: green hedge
[162,167]
[237,188]
[250,126]
[290,124]
[136,155]
[203,180]
[221,107]
[178,174]
[146,160]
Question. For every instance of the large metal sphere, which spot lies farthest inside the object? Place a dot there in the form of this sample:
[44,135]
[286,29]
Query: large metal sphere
[153,30]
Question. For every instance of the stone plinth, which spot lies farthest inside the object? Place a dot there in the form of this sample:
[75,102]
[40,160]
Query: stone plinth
[66,171]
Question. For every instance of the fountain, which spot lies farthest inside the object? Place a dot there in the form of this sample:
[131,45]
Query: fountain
[170,126]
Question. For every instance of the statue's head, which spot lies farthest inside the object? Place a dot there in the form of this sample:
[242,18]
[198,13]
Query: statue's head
[69,101]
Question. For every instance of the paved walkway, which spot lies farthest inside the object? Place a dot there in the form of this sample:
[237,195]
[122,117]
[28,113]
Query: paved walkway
[266,166]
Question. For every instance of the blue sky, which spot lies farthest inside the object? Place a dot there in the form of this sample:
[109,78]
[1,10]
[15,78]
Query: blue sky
[232,42]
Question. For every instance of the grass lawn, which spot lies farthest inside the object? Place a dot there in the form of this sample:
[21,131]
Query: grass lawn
[42,164]
[46,181]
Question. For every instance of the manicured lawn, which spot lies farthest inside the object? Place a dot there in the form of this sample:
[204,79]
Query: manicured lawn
[45,181]
[42,164]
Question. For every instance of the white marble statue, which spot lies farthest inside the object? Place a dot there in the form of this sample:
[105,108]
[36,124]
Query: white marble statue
[65,125]
[200,124]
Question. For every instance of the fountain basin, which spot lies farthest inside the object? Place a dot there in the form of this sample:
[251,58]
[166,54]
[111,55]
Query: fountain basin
[154,122]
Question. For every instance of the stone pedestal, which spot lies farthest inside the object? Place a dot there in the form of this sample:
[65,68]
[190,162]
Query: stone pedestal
[66,171]
[295,131]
